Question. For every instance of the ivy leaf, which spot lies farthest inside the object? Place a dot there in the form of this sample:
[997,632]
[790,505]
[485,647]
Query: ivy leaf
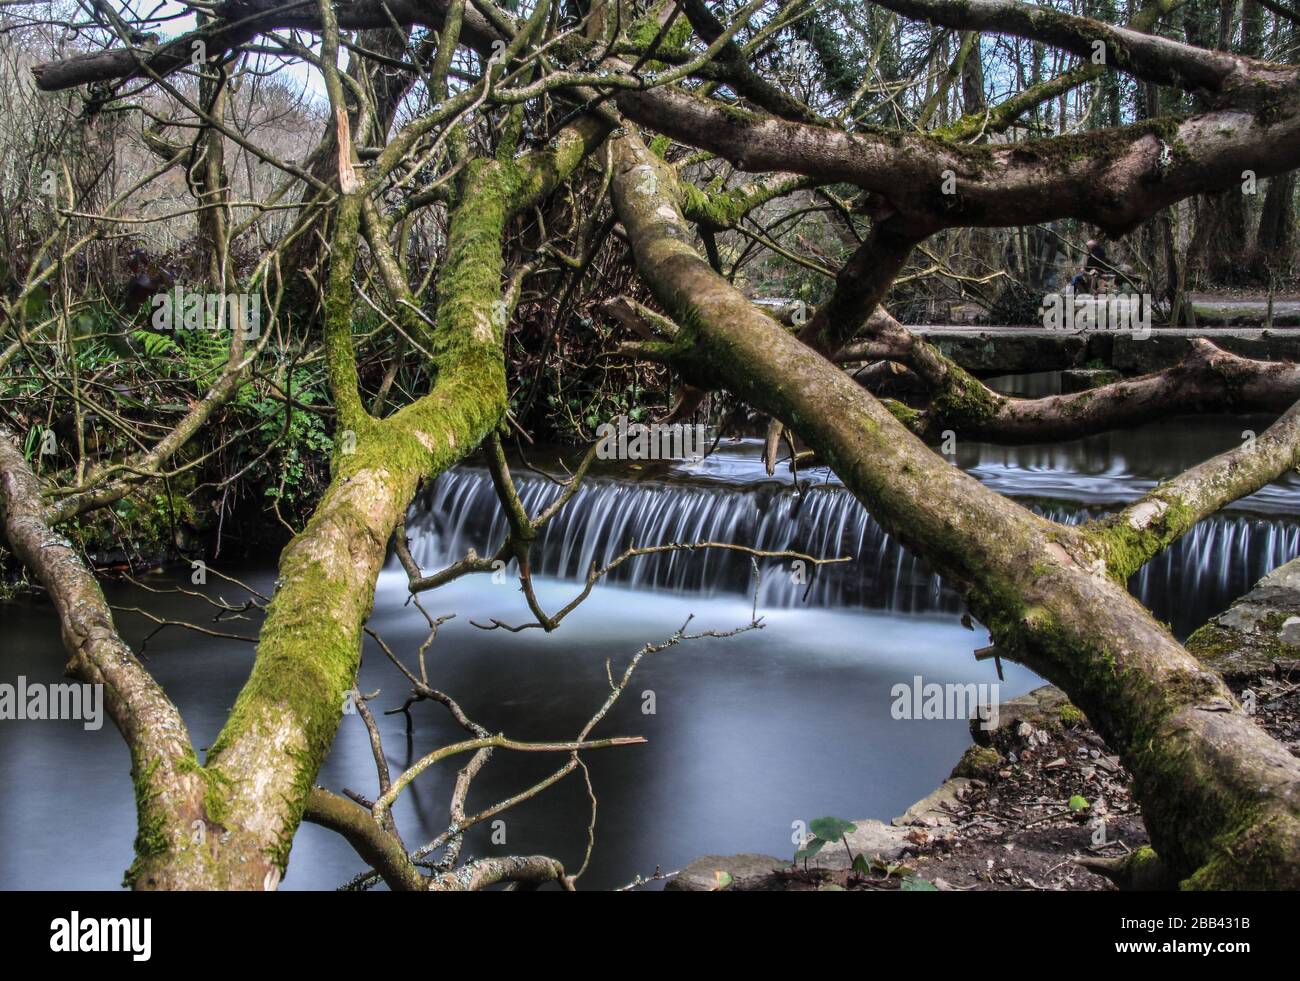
[812,849]
[831,828]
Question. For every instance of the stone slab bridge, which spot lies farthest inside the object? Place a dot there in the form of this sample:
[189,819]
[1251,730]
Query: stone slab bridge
[991,350]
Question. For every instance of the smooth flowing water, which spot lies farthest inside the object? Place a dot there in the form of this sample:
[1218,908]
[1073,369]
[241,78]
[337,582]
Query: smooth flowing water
[748,734]
[729,497]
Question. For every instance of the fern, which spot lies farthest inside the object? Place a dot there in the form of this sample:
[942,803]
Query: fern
[156,345]
[205,352]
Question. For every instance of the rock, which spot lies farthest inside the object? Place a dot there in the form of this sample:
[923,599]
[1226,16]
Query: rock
[1167,346]
[1290,630]
[936,810]
[1043,709]
[874,839]
[1260,633]
[980,762]
[748,871]
[1009,350]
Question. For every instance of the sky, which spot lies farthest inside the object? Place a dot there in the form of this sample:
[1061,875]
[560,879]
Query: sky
[174,19]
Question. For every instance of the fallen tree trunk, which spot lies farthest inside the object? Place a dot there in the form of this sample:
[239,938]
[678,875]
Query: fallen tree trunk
[1208,379]
[1221,799]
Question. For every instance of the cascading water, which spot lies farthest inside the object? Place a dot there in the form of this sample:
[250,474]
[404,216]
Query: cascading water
[1199,575]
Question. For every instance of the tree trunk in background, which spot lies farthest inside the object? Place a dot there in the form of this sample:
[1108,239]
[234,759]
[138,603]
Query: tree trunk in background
[1276,242]
[1152,232]
[304,254]
[1221,238]
[1181,313]
[1222,231]
[207,176]
[1107,110]
[972,80]
[1276,246]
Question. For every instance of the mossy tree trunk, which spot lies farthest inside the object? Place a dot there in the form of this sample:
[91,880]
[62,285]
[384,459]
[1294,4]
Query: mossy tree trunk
[1221,799]
[260,769]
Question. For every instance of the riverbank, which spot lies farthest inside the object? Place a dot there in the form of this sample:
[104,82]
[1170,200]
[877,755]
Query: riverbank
[1040,802]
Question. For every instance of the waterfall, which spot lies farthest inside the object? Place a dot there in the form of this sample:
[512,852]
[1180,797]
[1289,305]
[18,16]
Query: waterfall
[1219,560]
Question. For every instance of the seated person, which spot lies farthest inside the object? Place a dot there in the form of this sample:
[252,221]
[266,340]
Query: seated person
[1097,265]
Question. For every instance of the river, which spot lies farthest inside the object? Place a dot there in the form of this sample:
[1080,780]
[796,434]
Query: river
[748,735]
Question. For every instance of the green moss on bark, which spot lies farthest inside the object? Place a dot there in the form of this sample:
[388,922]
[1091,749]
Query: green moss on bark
[151,823]
[642,32]
[909,417]
[1125,549]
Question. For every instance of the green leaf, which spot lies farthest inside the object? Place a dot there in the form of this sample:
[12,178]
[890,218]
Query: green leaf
[813,847]
[862,865]
[914,883]
[723,879]
[1078,803]
[831,828]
